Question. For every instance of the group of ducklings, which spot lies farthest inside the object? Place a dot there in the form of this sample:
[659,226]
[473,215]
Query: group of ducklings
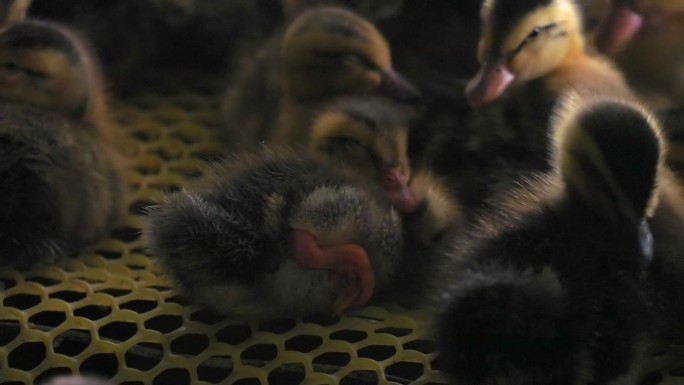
[543,231]
[557,257]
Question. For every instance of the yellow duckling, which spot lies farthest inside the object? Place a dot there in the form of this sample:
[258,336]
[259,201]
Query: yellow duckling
[323,54]
[537,39]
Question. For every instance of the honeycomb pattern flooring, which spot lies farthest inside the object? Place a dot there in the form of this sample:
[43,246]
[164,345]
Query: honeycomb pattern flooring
[110,311]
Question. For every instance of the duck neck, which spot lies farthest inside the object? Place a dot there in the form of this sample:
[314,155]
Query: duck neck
[576,53]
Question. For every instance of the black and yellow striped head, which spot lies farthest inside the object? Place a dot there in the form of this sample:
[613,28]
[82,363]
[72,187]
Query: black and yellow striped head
[522,40]
[45,65]
[609,153]
[369,135]
[329,51]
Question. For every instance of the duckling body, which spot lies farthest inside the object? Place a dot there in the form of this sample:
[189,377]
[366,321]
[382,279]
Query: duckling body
[324,53]
[566,282]
[62,190]
[288,236]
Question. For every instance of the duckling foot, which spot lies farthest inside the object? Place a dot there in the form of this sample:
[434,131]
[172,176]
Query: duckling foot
[352,273]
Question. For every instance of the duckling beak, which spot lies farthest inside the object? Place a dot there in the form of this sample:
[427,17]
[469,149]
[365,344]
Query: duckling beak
[617,29]
[489,83]
[398,191]
[397,87]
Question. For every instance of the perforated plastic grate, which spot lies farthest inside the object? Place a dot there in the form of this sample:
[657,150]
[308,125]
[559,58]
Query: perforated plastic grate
[110,311]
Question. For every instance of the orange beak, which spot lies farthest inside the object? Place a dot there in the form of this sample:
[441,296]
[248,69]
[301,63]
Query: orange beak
[398,191]
[618,29]
[489,83]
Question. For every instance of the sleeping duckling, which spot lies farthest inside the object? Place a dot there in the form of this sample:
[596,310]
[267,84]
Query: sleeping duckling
[537,39]
[370,135]
[644,37]
[61,191]
[13,11]
[44,64]
[570,280]
[283,235]
[324,53]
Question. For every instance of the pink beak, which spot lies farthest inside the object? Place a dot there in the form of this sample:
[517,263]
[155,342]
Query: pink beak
[618,29]
[489,84]
[397,87]
[398,191]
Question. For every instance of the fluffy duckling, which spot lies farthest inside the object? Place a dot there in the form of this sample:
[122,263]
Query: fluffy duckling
[44,64]
[370,135]
[644,37]
[62,186]
[323,54]
[537,39]
[13,11]
[568,281]
[283,235]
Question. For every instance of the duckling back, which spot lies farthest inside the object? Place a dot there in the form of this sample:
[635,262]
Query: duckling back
[552,288]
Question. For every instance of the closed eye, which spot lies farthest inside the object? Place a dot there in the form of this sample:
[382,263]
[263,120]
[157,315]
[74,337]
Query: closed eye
[345,58]
[12,66]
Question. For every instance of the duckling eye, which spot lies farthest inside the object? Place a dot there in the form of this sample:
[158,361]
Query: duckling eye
[535,32]
[354,60]
[12,66]
[345,141]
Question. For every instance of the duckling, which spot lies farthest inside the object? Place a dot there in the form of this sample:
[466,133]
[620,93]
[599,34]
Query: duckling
[283,235]
[13,11]
[324,53]
[370,135]
[532,52]
[62,186]
[537,39]
[46,65]
[562,282]
[644,37]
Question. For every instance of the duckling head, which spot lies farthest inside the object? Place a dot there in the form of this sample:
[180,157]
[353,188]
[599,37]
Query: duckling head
[329,52]
[13,11]
[523,40]
[369,135]
[609,153]
[45,65]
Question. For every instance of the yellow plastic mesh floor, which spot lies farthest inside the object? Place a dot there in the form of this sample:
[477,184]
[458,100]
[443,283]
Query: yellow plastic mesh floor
[111,311]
